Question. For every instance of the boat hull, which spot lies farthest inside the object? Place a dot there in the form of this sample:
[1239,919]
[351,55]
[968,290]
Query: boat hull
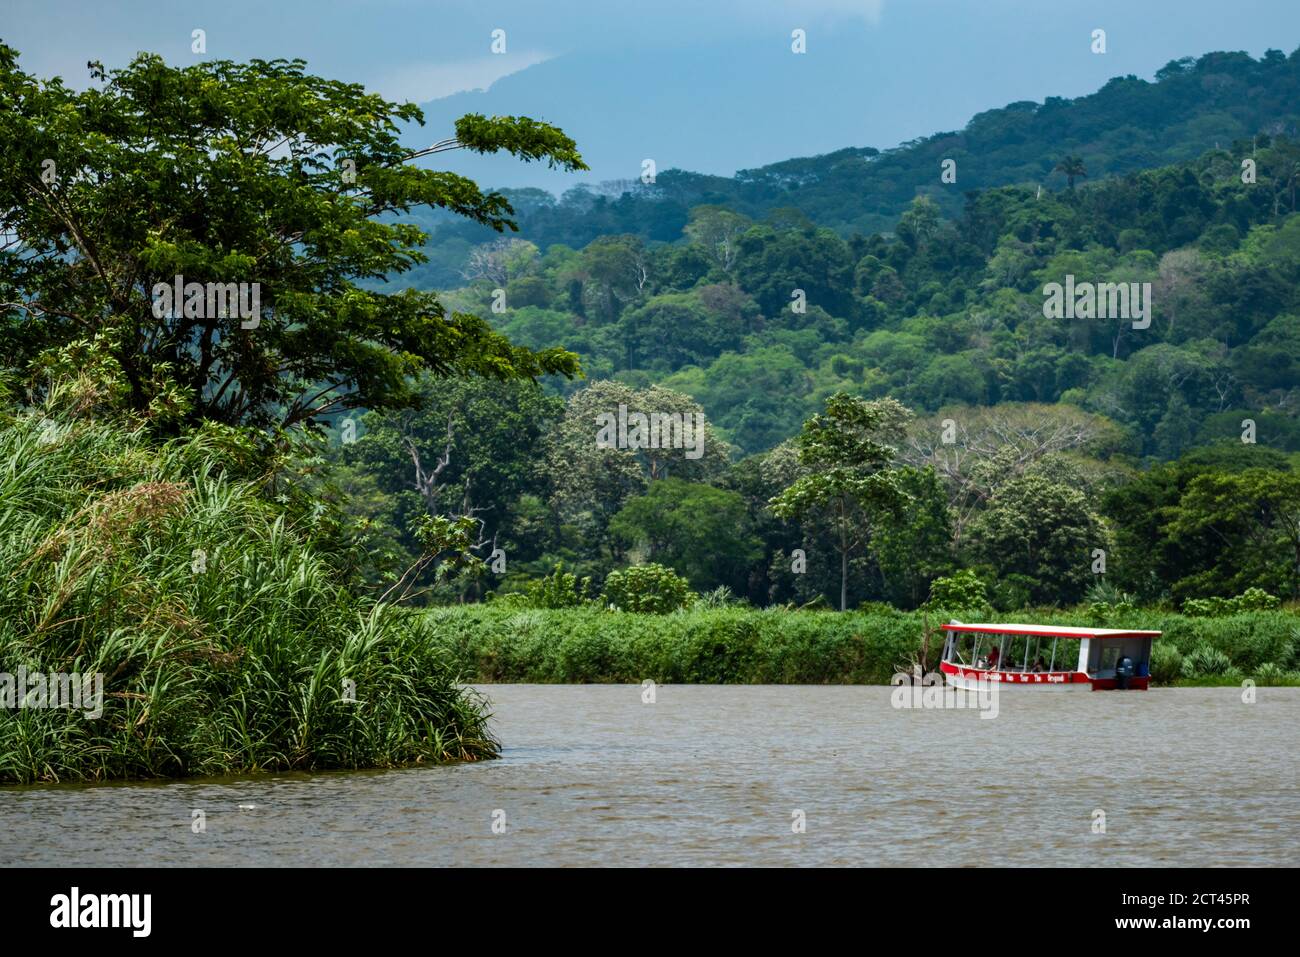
[959,676]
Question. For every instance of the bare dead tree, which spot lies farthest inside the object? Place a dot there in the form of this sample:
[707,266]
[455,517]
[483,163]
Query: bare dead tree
[426,482]
[989,447]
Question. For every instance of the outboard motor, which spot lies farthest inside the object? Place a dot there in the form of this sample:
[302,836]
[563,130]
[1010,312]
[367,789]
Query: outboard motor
[1123,672]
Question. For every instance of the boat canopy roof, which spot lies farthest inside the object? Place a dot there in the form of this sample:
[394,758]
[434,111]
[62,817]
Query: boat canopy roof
[1050,631]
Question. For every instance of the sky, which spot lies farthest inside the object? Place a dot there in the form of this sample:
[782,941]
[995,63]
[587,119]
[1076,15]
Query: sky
[706,85]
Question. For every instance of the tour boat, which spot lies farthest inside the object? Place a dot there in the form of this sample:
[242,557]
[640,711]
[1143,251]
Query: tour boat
[1046,656]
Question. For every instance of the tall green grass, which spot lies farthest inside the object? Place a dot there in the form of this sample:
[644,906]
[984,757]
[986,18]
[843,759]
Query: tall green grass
[237,666]
[737,645]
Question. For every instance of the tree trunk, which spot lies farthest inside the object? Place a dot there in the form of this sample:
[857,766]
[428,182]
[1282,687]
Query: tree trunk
[844,561]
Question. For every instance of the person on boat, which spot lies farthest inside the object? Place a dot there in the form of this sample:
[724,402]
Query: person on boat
[1040,664]
[993,659]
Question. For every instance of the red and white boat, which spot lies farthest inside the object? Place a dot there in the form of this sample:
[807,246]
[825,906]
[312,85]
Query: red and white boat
[1047,656]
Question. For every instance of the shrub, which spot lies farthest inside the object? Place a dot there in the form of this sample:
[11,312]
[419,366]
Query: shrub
[1256,599]
[720,597]
[1205,660]
[1166,663]
[1252,599]
[1207,607]
[646,588]
[962,591]
[560,589]
[878,608]
[1269,674]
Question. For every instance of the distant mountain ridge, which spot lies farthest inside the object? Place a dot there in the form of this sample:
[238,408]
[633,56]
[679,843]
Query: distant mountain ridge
[1129,124]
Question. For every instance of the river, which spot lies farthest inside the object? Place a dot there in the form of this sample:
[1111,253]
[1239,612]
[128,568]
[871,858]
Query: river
[727,774]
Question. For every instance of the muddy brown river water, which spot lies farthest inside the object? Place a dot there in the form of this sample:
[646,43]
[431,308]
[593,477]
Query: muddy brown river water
[724,775]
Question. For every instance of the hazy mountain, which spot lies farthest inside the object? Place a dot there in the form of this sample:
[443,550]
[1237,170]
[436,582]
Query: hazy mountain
[1192,105]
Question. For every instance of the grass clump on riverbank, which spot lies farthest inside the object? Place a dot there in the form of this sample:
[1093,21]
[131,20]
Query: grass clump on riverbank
[740,645]
[225,641]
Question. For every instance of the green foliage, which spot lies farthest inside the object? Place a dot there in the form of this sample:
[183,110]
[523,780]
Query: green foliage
[1166,663]
[700,531]
[1205,660]
[223,634]
[1252,599]
[1253,516]
[950,310]
[1072,168]
[1107,604]
[962,591]
[593,472]
[1269,674]
[560,589]
[471,452]
[251,173]
[650,588]
[1044,532]
[679,299]
[1104,613]
[846,471]
[782,646]
[1256,599]
[911,552]
[720,597]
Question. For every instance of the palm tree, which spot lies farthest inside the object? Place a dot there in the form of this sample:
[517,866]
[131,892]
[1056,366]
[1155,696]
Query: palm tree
[1071,166]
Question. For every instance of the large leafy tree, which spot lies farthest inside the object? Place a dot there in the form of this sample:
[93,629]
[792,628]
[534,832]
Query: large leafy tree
[1160,545]
[256,173]
[850,475]
[1040,533]
[913,551]
[1254,518]
[591,480]
[471,453]
[700,531]
[975,451]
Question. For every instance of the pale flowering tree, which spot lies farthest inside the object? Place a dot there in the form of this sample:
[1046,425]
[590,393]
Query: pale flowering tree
[591,478]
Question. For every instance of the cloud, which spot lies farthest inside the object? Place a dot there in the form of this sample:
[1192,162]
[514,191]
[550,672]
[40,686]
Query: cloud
[421,82]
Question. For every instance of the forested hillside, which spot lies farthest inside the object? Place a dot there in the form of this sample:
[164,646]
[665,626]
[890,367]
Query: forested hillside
[941,312]
[1191,105]
[1052,458]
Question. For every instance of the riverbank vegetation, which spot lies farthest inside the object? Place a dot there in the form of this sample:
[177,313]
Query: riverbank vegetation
[737,645]
[225,638]
[1154,458]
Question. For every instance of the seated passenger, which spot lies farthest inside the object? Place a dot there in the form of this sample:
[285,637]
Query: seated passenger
[1040,665]
[993,660]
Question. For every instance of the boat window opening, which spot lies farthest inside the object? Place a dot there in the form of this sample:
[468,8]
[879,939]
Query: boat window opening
[963,648]
[1016,657]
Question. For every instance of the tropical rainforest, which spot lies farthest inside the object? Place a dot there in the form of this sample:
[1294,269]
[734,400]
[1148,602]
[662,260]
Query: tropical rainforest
[668,410]
[1055,458]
